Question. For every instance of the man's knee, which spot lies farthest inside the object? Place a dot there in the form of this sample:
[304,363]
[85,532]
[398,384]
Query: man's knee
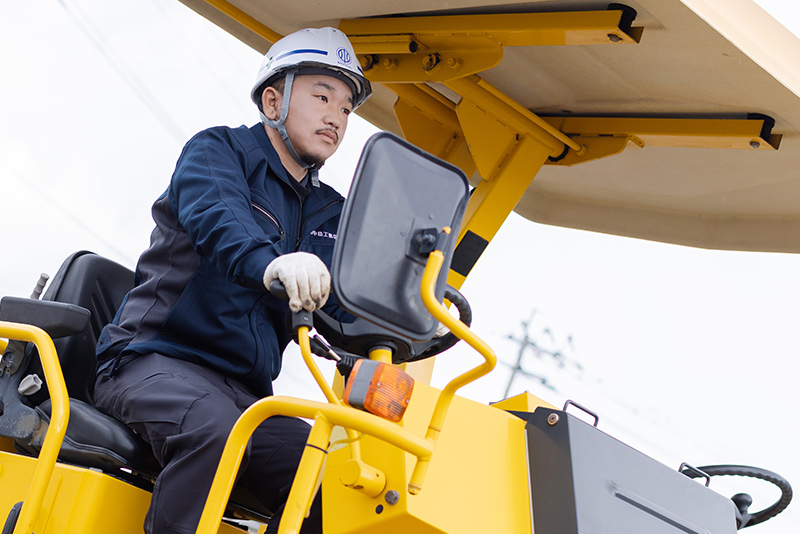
[172,405]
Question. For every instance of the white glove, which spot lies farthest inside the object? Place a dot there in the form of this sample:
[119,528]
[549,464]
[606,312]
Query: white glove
[305,277]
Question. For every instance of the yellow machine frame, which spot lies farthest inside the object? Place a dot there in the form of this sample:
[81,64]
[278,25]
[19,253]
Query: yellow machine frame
[420,459]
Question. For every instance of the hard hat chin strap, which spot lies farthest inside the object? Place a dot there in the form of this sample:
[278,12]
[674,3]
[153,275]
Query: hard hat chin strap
[280,125]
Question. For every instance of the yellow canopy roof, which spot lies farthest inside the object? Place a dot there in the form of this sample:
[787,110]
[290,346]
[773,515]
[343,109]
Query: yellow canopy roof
[725,59]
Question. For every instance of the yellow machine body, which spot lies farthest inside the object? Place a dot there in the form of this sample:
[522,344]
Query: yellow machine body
[77,500]
[477,480]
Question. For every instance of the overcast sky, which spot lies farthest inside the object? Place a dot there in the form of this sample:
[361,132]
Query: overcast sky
[687,354]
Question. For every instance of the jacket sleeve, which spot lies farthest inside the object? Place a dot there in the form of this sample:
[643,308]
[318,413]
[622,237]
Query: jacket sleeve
[210,195]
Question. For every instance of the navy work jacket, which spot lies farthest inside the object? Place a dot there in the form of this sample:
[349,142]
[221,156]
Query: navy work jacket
[230,209]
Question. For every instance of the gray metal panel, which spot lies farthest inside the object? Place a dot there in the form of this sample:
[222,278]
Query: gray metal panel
[584,481]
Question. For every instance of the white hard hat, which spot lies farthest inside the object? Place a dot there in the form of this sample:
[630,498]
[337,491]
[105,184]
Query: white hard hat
[323,50]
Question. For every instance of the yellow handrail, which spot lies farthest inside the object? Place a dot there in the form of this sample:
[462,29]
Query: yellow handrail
[308,474]
[440,312]
[59,418]
[308,358]
[305,350]
[334,414]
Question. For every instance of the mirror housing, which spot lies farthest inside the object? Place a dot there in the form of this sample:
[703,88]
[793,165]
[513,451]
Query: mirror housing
[400,199]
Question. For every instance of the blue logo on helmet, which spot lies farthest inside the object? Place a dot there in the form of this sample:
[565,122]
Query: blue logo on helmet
[343,55]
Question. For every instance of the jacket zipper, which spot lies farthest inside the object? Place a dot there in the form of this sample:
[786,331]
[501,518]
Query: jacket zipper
[269,216]
[299,223]
[318,210]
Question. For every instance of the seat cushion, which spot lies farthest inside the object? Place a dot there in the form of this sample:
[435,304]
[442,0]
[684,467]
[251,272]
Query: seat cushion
[93,439]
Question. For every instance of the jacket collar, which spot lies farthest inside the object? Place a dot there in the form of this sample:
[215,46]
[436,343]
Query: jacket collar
[273,160]
[323,193]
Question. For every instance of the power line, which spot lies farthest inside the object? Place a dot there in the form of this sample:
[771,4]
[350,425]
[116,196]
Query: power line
[127,74]
[42,194]
[177,29]
[649,414]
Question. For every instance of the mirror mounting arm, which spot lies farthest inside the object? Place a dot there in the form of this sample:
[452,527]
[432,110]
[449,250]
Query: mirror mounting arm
[430,239]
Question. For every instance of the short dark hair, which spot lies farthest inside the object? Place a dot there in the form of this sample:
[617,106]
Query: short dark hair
[278,83]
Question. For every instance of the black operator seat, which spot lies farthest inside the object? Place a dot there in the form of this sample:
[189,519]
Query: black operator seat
[99,285]
[94,439]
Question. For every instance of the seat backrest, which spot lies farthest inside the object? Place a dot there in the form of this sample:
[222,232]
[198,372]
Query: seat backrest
[99,285]
[94,439]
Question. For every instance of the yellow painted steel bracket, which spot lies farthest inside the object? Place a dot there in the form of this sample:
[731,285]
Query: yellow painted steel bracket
[441,48]
[509,144]
[428,120]
[606,136]
[58,420]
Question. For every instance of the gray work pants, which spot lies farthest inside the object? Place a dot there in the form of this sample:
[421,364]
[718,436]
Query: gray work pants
[185,412]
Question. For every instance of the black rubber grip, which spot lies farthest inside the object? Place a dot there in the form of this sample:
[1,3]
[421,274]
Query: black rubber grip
[278,290]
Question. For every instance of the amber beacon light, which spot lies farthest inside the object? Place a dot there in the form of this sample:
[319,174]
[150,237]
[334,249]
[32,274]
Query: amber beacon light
[379,388]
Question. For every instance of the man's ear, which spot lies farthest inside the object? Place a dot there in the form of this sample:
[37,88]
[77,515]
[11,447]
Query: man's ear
[271,100]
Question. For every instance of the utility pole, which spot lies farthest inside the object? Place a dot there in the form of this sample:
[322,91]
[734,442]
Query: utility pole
[528,342]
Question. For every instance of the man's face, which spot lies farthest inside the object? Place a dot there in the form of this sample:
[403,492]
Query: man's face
[318,112]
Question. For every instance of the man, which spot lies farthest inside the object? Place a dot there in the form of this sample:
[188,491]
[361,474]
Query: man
[200,338]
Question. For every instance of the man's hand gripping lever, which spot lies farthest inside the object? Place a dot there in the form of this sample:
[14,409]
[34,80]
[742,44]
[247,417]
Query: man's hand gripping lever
[316,345]
[302,323]
[305,278]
